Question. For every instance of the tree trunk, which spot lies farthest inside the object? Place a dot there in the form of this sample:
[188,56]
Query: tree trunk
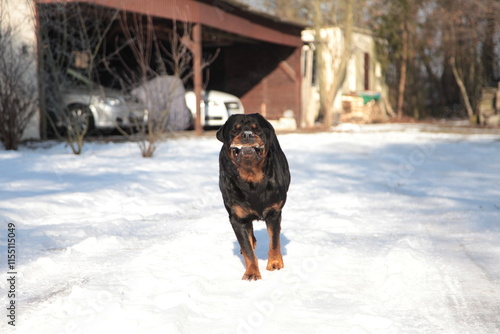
[341,70]
[320,61]
[402,76]
[197,76]
[488,46]
[461,86]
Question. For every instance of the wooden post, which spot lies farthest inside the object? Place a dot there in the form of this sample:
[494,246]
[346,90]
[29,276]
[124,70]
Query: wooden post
[197,75]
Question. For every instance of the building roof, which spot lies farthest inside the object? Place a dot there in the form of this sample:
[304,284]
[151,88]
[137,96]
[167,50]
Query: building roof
[225,15]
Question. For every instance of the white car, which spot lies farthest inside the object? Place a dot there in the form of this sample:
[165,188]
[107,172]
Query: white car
[216,107]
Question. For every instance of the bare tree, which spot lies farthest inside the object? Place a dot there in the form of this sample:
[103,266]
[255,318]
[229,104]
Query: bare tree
[467,30]
[397,24]
[157,75]
[402,71]
[18,88]
[461,86]
[288,9]
[449,49]
[147,76]
[71,39]
[332,60]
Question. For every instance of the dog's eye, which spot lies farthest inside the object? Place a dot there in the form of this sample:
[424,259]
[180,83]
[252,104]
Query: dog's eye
[236,150]
[236,130]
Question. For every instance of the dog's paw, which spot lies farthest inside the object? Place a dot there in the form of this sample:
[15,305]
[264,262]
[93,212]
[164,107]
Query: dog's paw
[275,263]
[253,277]
[252,274]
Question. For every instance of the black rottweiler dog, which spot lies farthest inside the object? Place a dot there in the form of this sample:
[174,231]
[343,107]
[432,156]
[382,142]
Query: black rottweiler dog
[254,179]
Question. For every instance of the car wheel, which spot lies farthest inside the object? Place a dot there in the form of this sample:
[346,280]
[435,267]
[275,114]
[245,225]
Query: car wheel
[79,119]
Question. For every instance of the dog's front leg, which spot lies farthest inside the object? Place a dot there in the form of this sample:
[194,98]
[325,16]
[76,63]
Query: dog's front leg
[244,233]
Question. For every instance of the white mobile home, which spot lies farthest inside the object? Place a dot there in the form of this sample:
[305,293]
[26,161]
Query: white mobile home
[363,74]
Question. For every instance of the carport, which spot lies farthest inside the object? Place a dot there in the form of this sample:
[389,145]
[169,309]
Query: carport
[258,54]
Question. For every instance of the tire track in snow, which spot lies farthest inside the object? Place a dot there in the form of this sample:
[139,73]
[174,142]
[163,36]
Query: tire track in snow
[477,305]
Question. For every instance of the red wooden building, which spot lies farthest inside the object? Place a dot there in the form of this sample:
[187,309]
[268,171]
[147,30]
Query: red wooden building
[258,55]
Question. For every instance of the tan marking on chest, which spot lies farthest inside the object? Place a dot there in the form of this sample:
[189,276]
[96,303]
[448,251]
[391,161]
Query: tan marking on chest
[251,175]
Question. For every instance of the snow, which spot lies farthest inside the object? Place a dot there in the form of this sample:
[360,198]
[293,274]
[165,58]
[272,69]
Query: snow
[387,229]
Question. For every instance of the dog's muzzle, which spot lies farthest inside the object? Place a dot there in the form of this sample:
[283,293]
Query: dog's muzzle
[247,152]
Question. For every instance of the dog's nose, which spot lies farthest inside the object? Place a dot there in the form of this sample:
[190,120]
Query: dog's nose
[247,135]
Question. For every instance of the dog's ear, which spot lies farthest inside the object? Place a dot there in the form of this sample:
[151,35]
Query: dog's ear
[267,128]
[220,133]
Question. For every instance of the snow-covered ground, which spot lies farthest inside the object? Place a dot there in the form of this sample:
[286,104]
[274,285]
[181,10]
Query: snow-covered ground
[386,230]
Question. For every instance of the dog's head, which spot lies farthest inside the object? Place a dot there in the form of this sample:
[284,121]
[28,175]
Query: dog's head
[247,139]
